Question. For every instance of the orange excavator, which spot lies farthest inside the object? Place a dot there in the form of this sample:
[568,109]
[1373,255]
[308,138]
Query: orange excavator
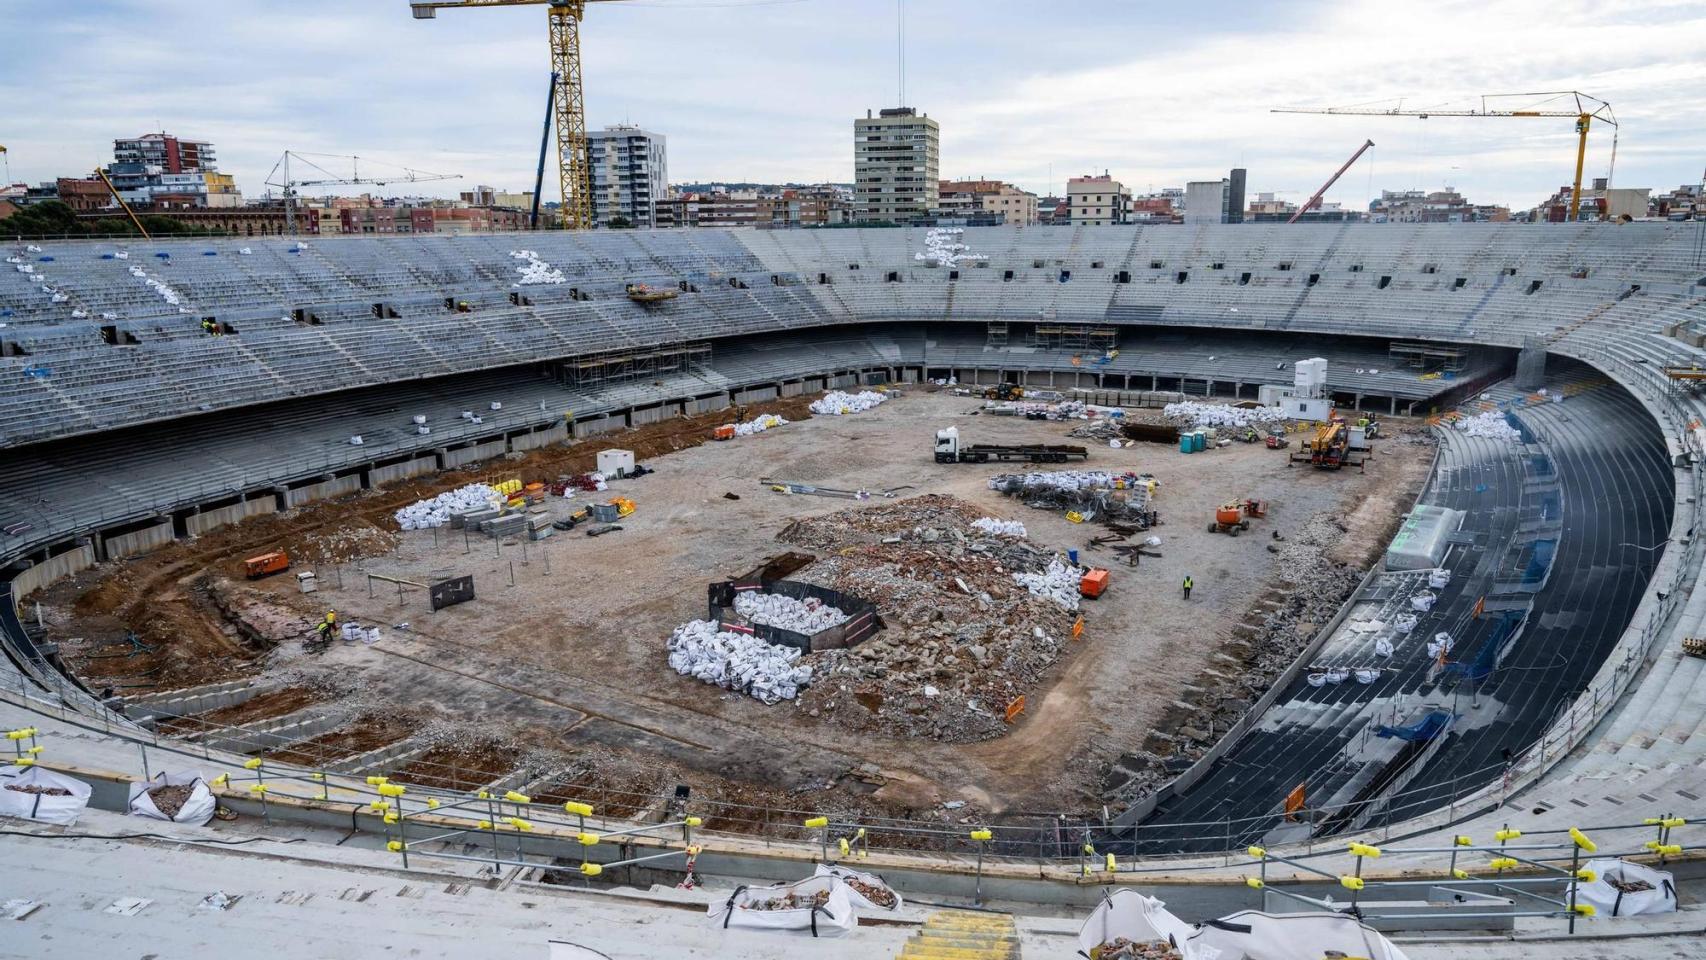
[1234,516]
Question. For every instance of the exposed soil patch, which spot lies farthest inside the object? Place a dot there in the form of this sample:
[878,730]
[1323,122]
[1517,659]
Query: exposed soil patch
[459,768]
[262,706]
[364,734]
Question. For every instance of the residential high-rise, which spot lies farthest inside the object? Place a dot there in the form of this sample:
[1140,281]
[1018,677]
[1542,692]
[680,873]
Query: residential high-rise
[629,170]
[1098,201]
[896,156]
[158,169]
[991,201]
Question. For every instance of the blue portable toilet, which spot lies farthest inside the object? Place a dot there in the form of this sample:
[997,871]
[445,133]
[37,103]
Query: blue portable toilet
[1187,443]
[1072,556]
[1199,441]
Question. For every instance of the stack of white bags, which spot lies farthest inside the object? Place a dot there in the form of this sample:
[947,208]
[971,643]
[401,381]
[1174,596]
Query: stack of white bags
[759,425]
[1058,583]
[1220,414]
[436,512]
[166,293]
[786,613]
[737,661]
[996,527]
[1064,480]
[1491,424]
[534,270]
[836,403]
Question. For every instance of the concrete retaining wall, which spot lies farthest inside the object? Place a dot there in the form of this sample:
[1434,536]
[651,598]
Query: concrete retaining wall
[540,438]
[380,476]
[668,411]
[53,569]
[593,426]
[843,381]
[208,520]
[197,700]
[708,404]
[755,395]
[139,541]
[268,734]
[474,454]
[324,490]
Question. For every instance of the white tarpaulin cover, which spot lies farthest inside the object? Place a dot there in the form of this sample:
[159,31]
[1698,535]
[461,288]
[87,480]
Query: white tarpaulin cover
[1132,916]
[22,794]
[1609,901]
[197,808]
[870,880]
[767,908]
[1423,537]
[835,403]
[1251,935]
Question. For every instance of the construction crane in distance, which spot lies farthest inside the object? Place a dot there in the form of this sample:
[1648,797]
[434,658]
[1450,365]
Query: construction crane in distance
[122,205]
[1312,201]
[568,95]
[1586,110]
[281,169]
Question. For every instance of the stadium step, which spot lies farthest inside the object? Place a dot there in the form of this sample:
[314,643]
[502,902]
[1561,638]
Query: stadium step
[964,935]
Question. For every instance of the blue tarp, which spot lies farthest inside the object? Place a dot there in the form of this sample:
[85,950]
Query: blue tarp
[1424,729]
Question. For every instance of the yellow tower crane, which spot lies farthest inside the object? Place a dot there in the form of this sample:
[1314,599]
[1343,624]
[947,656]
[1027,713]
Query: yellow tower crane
[1585,111]
[569,102]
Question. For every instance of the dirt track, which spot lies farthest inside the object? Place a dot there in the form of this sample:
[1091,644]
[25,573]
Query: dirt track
[574,653]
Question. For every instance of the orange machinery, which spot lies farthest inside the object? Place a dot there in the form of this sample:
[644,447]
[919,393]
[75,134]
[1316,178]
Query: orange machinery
[1094,583]
[1233,516]
[724,432]
[266,564]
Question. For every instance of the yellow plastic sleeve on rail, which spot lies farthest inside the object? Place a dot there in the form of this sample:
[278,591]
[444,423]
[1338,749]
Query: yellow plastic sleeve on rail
[1086,869]
[591,869]
[692,821]
[22,733]
[378,806]
[1089,849]
[482,795]
[25,761]
[317,777]
[1364,850]
[1502,863]
[1351,883]
[1113,865]
[860,835]
[518,823]
[390,818]
[1254,883]
[693,850]
[258,788]
[585,809]
[842,844]
[220,780]
[816,822]
[1459,873]
[1668,850]
[432,803]
[517,797]
[1463,841]
[392,789]
[1504,835]
[1586,876]
[254,764]
[982,836]
[394,846]
[36,750]
[378,781]
[1674,822]
[1581,840]
[1256,853]
[587,839]
[483,825]
[1585,909]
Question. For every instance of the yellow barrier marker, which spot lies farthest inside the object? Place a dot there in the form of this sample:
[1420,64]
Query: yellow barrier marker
[514,797]
[1668,849]
[25,761]
[1256,853]
[220,780]
[21,734]
[432,803]
[982,836]
[1586,876]
[584,809]
[392,789]
[1113,866]
[394,846]
[378,781]
[258,788]
[1460,873]
[1364,850]
[1502,863]
[1089,850]
[591,869]
[694,821]
[519,823]
[1253,883]
[390,818]
[816,822]
[1463,841]
[482,795]
[1351,883]
[1506,835]
[35,750]
[378,806]
[860,834]
[1582,840]
[483,825]
[254,764]
[1585,909]
[317,777]
[841,842]
[587,839]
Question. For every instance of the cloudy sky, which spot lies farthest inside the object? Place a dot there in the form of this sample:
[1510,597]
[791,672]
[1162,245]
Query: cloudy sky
[766,90]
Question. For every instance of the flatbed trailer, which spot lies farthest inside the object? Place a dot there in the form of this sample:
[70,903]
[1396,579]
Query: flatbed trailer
[949,450]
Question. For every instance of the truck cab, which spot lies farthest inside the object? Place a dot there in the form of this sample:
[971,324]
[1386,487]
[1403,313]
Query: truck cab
[948,445]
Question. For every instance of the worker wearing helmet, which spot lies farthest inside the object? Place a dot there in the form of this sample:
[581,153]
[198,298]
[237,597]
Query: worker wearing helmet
[323,629]
[1187,585]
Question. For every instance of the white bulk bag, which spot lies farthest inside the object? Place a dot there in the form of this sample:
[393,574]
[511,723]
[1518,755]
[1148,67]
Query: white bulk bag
[1133,916]
[197,809]
[1252,935]
[835,918]
[1608,901]
[860,901]
[39,806]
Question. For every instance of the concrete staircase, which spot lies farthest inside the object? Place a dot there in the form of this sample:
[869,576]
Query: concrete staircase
[964,935]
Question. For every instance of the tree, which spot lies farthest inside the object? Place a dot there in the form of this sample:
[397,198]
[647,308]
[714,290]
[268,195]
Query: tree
[619,222]
[54,218]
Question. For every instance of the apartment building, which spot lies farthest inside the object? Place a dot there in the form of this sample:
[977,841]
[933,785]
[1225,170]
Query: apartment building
[896,159]
[628,170]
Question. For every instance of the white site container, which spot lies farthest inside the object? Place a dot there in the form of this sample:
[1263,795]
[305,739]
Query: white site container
[615,463]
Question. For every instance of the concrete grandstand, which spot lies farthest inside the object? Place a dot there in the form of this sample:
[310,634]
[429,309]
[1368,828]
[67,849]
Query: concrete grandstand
[134,413]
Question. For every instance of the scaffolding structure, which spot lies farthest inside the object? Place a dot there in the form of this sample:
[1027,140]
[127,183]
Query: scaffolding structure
[1074,336]
[1428,357]
[617,366]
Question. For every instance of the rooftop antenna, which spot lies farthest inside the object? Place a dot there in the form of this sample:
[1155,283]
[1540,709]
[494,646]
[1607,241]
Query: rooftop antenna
[900,43]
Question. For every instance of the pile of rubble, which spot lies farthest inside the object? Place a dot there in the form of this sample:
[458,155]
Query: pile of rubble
[962,640]
[1125,498]
[737,661]
[1313,590]
[997,527]
[1491,424]
[835,403]
[776,610]
[1191,413]
[344,544]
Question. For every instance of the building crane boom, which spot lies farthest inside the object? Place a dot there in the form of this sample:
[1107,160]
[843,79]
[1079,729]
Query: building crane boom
[1586,110]
[1312,201]
[564,18]
[282,169]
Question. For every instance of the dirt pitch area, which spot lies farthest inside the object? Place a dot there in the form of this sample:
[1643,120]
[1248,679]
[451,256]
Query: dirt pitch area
[565,640]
